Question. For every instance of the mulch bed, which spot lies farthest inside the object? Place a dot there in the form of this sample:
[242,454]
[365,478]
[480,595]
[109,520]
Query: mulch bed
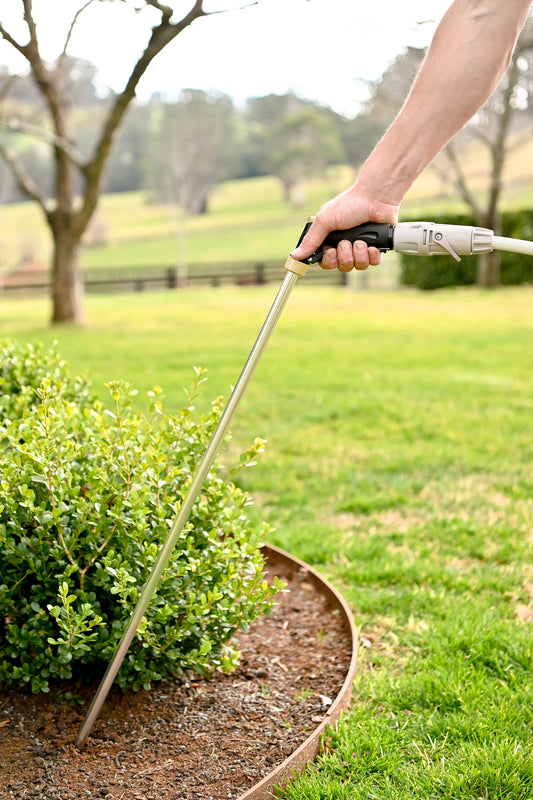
[195,738]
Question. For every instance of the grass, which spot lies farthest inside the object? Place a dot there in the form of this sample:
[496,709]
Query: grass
[247,220]
[399,462]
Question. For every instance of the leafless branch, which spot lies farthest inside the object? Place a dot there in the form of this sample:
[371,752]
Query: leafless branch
[13,42]
[166,11]
[162,34]
[236,8]
[71,28]
[30,50]
[22,178]
[482,136]
[17,125]
[30,22]
[520,141]
[460,180]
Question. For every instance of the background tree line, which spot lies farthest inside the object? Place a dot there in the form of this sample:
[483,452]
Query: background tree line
[180,148]
[63,142]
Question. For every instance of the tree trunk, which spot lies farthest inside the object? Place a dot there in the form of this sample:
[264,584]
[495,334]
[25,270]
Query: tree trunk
[298,195]
[67,282]
[488,270]
[488,274]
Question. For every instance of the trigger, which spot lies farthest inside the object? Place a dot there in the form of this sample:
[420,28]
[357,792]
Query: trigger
[441,239]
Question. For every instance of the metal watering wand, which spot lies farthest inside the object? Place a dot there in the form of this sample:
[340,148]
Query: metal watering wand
[417,238]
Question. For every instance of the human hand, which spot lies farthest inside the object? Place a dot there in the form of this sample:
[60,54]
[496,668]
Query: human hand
[345,211]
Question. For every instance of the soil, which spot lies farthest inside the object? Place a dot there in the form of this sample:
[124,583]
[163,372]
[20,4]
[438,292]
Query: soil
[195,738]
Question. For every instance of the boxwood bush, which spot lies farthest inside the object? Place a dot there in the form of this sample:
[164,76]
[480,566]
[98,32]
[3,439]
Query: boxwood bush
[88,492]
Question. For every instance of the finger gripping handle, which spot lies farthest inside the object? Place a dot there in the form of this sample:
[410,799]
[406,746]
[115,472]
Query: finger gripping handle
[374,234]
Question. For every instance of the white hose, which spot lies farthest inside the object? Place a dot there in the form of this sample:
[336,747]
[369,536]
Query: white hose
[512,245]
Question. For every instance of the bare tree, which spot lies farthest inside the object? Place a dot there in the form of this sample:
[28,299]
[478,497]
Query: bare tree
[193,148]
[71,210]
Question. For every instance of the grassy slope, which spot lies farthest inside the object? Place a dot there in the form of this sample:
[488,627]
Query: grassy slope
[248,220]
[400,462]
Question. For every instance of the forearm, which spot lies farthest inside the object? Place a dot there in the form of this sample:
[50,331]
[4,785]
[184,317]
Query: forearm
[468,56]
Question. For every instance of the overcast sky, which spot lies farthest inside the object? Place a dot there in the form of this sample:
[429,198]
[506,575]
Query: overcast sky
[323,50]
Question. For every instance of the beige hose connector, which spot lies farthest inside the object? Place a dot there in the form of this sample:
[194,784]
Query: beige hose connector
[298,267]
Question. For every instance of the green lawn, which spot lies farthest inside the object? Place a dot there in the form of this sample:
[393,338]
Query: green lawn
[399,462]
[247,220]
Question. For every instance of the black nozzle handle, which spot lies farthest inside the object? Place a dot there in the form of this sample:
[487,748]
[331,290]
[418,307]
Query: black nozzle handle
[374,234]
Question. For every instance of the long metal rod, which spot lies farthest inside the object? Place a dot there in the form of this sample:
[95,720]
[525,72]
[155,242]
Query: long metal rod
[186,506]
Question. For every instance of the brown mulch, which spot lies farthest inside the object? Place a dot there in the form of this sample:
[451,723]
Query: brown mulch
[196,738]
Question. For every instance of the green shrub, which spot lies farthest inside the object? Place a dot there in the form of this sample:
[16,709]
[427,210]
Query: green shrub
[88,493]
[436,272]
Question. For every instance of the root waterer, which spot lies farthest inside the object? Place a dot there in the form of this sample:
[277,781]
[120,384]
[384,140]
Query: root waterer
[418,238]
[294,269]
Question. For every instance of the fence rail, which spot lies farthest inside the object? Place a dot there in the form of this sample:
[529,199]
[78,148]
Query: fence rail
[138,279]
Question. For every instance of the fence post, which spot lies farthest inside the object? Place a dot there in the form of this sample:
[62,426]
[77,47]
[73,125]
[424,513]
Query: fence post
[172,278]
[260,274]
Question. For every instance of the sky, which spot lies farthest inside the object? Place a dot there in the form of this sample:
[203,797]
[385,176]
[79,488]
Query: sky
[322,50]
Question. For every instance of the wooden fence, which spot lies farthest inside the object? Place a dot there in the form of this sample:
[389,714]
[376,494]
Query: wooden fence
[137,279]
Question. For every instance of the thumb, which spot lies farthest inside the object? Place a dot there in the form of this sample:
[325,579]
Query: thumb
[311,241]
